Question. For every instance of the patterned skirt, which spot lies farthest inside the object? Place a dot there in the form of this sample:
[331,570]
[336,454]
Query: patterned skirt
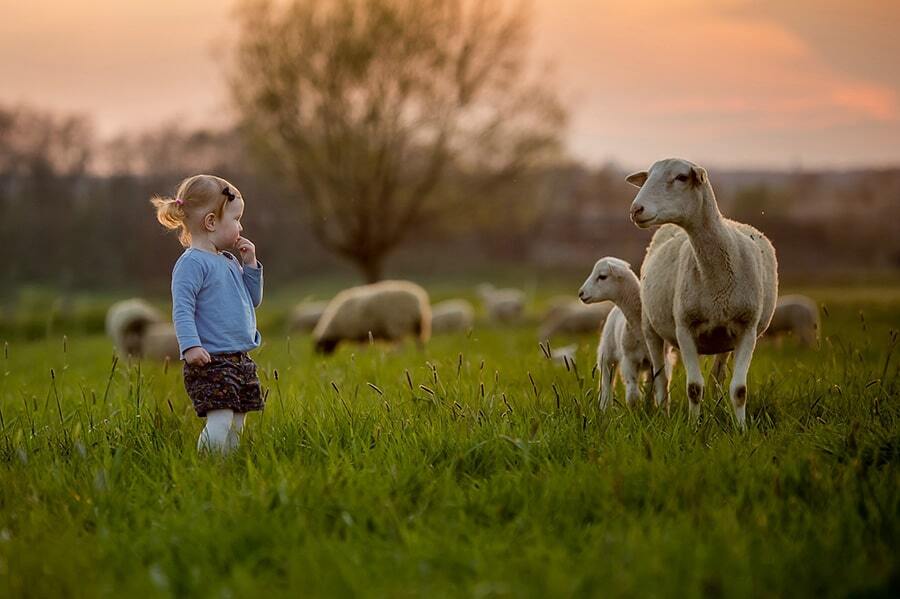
[228,382]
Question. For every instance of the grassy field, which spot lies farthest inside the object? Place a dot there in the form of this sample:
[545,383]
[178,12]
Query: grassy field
[477,468]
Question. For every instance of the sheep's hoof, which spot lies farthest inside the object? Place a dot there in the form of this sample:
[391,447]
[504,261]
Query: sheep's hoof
[695,392]
[739,399]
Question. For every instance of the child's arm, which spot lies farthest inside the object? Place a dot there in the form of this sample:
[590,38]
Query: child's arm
[252,270]
[187,279]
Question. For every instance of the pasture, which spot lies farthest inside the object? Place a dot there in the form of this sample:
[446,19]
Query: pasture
[475,468]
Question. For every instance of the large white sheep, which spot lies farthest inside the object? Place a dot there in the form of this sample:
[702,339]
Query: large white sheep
[622,340]
[305,316]
[502,305]
[126,322]
[389,310]
[573,317]
[796,315]
[708,284]
[452,315]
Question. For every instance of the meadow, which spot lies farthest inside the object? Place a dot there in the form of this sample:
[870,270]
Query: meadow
[475,468]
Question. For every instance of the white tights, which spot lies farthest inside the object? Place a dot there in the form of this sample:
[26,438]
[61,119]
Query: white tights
[222,432]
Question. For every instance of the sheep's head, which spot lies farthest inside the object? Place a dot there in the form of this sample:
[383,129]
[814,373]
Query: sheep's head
[326,346]
[672,191]
[606,280]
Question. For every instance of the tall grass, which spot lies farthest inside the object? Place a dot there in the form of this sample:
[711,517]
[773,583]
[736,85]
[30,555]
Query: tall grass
[478,467]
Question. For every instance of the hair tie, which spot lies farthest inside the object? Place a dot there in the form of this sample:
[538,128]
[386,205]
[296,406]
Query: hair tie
[179,202]
[228,194]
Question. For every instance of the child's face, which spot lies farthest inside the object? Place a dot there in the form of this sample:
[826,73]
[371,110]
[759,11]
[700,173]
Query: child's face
[229,228]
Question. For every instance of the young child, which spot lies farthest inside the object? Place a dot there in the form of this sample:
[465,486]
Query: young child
[213,299]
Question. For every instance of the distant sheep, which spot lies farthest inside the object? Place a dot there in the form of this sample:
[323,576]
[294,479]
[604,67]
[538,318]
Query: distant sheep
[708,284]
[159,342]
[564,355]
[389,310]
[126,322]
[452,315]
[502,305]
[305,316]
[572,318]
[796,315]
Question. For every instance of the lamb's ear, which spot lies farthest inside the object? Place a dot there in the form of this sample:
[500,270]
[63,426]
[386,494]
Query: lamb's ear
[637,179]
[698,173]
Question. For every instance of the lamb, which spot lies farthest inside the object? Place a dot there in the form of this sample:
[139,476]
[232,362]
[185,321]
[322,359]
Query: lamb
[452,315]
[708,284]
[305,316]
[797,315]
[573,317]
[502,305]
[389,310]
[622,341]
[126,322]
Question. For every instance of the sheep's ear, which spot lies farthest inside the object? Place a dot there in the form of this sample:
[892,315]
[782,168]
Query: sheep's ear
[637,179]
[698,173]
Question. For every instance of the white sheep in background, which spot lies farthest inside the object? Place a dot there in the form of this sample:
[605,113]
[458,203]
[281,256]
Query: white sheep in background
[305,316]
[389,310]
[796,315]
[622,341]
[452,315]
[572,318]
[564,355]
[502,305]
[708,284]
[126,322]
[160,342]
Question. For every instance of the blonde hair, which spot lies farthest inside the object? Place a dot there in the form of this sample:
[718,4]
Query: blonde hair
[197,195]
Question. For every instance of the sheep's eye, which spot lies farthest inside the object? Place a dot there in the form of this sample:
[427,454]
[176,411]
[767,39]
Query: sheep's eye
[601,277]
[681,178]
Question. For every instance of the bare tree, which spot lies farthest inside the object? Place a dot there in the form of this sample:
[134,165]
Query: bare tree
[366,104]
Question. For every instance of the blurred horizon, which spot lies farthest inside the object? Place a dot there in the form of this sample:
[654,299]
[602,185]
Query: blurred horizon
[736,84]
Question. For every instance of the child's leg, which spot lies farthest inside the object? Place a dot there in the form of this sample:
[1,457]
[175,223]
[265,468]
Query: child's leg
[237,425]
[214,436]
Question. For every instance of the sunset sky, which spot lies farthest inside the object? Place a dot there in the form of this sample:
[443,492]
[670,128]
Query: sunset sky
[746,83]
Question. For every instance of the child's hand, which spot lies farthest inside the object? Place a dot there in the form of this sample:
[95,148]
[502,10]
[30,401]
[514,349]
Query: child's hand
[247,250]
[197,356]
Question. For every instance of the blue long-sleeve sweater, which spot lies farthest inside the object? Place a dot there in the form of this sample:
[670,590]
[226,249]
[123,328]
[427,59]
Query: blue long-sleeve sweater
[213,301]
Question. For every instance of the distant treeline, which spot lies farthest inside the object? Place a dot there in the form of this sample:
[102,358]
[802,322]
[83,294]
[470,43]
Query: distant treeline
[74,213]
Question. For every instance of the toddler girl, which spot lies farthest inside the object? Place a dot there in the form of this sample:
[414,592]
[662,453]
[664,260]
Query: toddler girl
[213,299]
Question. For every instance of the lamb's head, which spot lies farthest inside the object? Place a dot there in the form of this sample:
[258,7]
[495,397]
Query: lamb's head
[606,280]
[672,191]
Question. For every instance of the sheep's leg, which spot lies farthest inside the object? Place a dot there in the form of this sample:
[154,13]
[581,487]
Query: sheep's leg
[670,358]
[657,349]
[629,373]
[691,360]
[743,353]
[607,382]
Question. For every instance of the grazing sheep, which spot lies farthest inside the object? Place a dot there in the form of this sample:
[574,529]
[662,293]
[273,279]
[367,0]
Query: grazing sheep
[389,310]
[159,342]
[564,355]
[797,315]
[708,284]
[573,317]
[305,316]
[452,315]
[622,342]
[502,305]
[126,322]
